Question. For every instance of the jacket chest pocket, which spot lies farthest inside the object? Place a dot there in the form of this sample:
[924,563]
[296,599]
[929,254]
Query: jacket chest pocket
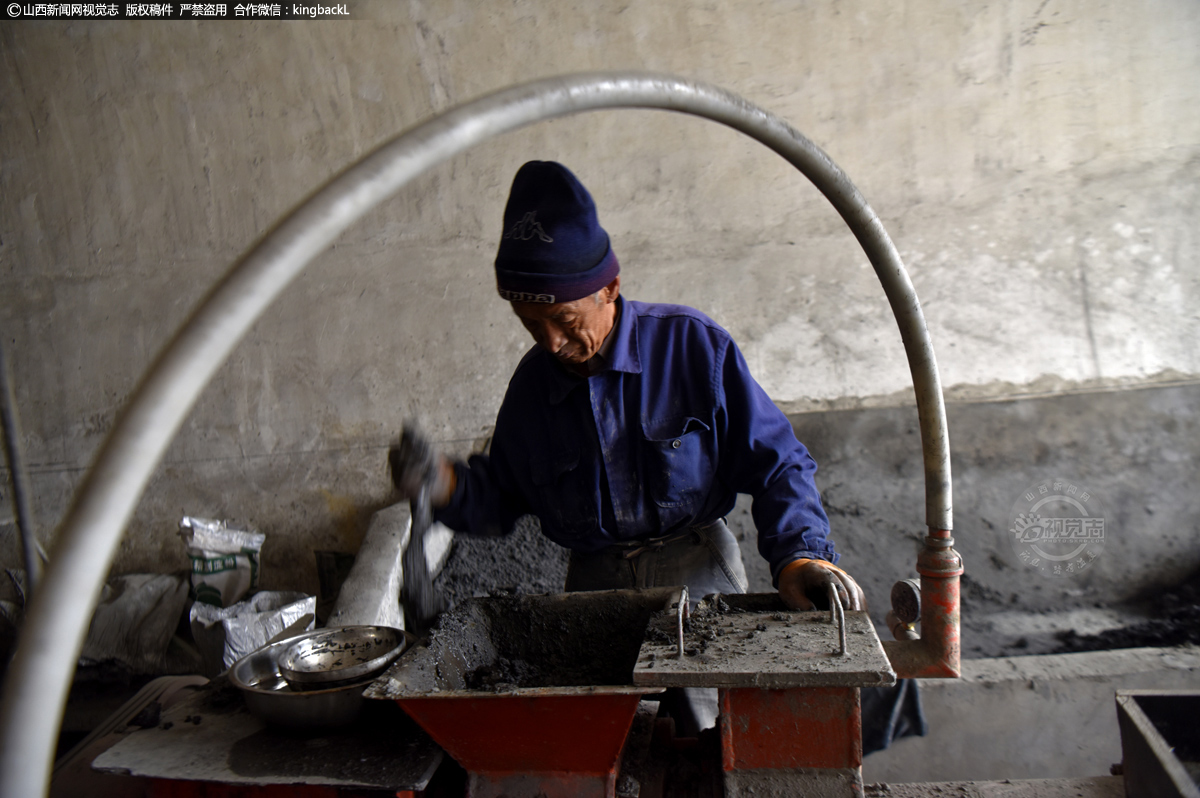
[678,462]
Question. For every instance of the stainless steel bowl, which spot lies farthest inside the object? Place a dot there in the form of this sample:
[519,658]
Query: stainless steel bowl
[269,697]
[338,656]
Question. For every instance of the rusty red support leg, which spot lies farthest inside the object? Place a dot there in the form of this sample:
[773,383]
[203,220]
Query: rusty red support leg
[795,741]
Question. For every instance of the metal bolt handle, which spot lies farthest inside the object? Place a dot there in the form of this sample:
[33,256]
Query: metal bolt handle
[682,613]
[837,616]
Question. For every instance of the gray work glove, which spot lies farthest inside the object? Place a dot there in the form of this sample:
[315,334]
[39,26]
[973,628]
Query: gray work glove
[415,462]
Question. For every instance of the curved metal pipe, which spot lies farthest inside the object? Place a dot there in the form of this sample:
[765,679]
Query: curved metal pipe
[39,677]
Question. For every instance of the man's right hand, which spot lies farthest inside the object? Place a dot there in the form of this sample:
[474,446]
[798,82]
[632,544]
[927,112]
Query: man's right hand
[414,462]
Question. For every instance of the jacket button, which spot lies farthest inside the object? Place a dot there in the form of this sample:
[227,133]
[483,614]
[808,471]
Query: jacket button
[675,444]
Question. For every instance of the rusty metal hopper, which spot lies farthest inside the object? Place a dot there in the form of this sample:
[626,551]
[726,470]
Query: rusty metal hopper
[532,694]
[1160,742]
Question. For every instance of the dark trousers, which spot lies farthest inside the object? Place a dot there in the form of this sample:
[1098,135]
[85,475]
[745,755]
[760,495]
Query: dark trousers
[704,559]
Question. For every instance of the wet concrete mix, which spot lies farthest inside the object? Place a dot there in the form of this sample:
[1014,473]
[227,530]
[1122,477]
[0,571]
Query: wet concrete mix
[524,562]
[510,641]
[705,624]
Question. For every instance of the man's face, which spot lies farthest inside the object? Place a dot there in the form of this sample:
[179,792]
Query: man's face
[571,331]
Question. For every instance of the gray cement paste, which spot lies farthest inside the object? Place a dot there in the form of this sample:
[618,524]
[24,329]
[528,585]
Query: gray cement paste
[510,641]
[524,562]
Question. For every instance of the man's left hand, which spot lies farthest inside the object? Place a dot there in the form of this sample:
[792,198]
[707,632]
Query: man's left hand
[804,578]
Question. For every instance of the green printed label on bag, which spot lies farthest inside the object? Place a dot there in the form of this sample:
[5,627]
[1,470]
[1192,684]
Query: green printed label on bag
[214,565]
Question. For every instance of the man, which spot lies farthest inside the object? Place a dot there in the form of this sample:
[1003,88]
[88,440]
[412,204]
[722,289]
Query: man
[629,428]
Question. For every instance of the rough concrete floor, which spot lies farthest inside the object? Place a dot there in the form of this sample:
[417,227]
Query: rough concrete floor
[1094,787]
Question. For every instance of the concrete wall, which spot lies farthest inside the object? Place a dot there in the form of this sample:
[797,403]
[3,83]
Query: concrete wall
[1030,717]
[1134,450]
[1037,163]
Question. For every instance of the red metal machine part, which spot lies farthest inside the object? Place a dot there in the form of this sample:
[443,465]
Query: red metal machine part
[936,653]
[808,739]
[790,713]
[553,730]
[538,743]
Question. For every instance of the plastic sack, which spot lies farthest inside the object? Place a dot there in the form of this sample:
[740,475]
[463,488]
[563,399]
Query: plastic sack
[135,620]
[226,634]
[224,559]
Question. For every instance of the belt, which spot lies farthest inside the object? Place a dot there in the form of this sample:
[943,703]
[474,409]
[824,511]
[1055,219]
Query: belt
[628,549]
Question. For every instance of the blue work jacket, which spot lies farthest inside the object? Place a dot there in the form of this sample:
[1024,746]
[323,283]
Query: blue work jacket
[662,439]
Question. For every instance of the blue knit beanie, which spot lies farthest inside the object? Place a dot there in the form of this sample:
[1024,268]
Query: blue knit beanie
[553,248]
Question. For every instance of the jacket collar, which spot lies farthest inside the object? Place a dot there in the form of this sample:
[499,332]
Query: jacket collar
[623,354]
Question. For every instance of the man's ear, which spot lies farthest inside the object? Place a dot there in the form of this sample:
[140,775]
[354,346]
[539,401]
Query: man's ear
[612,290]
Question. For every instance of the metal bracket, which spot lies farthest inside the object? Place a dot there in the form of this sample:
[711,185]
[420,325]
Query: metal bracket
[682,615]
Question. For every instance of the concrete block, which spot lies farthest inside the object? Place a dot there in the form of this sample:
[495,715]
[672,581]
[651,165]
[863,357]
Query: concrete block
[371,593]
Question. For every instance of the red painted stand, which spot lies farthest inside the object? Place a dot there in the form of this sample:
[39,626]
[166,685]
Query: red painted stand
[791,741]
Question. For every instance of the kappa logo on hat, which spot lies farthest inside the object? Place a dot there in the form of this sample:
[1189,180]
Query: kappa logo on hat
[527,228]
[526,296]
